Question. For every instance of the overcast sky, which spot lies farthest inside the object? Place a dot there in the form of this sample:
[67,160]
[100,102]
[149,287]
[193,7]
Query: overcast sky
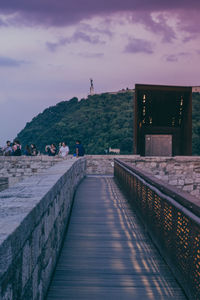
[49,49]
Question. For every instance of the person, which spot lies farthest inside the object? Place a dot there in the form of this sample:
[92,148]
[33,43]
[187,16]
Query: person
[80,151]
[27,150]
[7,150]
[34,150]
[17,148]
[51,150]
[64,150]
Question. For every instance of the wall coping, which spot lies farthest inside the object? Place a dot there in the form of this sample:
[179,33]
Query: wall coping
[29,193]
[24,203]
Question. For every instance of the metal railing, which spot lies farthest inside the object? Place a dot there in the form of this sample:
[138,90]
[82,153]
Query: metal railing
[171,219]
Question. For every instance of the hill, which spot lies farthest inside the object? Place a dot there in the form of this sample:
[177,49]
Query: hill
[196,124]
[100,121]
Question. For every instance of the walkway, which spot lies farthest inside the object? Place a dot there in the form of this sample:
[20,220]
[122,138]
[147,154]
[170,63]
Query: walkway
[106,253]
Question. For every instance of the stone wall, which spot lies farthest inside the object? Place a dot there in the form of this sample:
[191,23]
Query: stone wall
[103,164]
[3,183]
[16,168]
[180,171]
[183,172]
[33,219]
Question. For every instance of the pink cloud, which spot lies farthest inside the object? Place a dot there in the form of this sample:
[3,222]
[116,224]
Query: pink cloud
[176,57]
[62,12]
[139,46]
[158,27]
[75,38]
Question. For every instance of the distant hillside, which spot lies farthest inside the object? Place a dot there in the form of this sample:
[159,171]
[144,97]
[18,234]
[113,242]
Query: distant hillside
[100,122]
[196,124]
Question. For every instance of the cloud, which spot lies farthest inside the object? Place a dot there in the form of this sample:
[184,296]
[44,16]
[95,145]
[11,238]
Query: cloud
[62,12]
[157,25]
[138,46]
[175,57]
[102,29]
[172,58]
[189,21]
[78,36]
[2,22]
[91,55]
[189,38]
[10,62]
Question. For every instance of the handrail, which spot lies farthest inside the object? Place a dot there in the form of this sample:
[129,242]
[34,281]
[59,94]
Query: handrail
[170,218]
[184,198]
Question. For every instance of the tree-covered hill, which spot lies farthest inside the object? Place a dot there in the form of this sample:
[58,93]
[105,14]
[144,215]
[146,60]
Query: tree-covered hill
[196,124]
[100,121]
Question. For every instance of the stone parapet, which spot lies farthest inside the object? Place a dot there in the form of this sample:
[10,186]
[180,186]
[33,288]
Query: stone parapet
[104,164]
[17,168]
[33,219]
[180,171]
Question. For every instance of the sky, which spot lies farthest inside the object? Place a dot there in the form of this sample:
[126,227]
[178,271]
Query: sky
[49,50]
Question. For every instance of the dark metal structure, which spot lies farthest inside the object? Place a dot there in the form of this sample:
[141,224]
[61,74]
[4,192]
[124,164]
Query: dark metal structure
[172,218]
[163,120]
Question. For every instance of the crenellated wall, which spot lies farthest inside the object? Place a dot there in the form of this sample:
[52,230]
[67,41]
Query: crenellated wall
[33,219]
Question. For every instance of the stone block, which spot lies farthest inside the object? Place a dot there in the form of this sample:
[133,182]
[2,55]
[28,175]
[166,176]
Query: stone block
[181,182]
[26,263]
[189,180]
[188,188]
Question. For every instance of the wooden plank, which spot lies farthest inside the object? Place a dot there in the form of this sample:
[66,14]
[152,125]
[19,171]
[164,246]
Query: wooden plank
[106,253]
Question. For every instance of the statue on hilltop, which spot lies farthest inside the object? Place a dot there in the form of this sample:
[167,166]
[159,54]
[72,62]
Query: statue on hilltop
[91,87]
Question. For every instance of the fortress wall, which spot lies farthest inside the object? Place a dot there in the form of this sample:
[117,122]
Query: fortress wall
[16,168]
[104,164]
[33,218]
[180,171]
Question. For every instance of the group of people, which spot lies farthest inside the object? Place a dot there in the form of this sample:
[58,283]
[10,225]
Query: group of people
[12,148]
[15,149]
[64,149]
[52,150]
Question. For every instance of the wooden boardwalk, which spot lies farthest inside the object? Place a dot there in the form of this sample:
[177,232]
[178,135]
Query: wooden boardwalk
[106,253]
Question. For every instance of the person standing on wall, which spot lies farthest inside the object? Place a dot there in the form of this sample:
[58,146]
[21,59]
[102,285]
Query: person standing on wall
[7,150]
[51,149]
[64,150]
[16,148]
[80,151]
[34,150]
